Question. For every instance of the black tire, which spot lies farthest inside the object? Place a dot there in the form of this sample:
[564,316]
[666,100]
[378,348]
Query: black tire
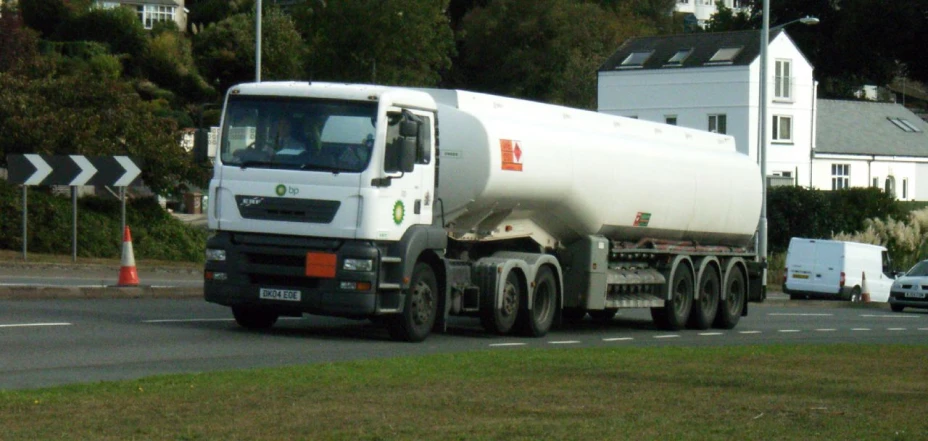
[502,320]
[251,317]
[604,315]
[704,309]
[537,322]
[736,292]
[675,312]
[573,315]
[420,308]
[855,295]
[896,308]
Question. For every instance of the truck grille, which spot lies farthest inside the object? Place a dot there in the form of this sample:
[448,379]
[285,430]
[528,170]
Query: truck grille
[287,209]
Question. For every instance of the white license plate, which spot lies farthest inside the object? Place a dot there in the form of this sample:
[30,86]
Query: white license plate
[915,295]
[291,295]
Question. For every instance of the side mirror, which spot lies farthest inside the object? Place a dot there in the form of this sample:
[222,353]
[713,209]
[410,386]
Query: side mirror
[407,155]
[409,128]
[201,146]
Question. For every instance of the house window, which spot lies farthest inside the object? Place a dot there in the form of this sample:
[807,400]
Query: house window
[683,2]
[904,124]
[890,186]
[737,4]
[151,14]
[876,183]
[784,80]
[670,119]
[840,176]
[782,128]
[636,59]
[677,58]
[725,55]
[718,123]
[905,189]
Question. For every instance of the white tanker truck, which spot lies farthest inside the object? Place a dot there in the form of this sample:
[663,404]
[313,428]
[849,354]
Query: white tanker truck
[407,206]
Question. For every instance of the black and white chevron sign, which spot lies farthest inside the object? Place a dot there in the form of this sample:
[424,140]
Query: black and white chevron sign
[34,169]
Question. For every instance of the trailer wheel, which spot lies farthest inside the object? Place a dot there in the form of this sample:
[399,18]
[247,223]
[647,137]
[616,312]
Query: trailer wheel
[251,317]
[420,309]
[705,308]
[676,311]
[501,320]
[735,294]
[537,322]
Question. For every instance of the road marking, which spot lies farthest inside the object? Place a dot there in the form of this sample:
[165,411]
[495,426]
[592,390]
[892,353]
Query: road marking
[189,320]
[789,330]
[923,329]
[890,316]
[27,325]
[667,336]
[895,329]
[500,345]
[618,339]
[861,329]
[796,314]
[749,332]
[564,342]
[711,333]
[826,330]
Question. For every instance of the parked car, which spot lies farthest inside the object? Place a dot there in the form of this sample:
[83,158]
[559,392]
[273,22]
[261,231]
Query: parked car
[831,269]
[911,289]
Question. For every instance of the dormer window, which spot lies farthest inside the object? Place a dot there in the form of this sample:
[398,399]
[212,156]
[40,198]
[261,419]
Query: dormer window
[725,55]
[635,59]
[904,124]
[677,58]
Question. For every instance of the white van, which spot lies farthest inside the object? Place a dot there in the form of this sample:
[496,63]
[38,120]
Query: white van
[834,270]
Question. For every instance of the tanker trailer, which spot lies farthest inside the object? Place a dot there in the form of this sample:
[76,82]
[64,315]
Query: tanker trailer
[409,206]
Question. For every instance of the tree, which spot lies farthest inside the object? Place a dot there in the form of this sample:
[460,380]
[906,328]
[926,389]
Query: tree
[725,19]
[118,28]
[398,42]
[225,51]
[545,50]
[18,44]
[44,15]
[170,64]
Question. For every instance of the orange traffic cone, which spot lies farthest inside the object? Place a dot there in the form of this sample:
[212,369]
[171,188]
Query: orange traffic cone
[128,276]
[865,290]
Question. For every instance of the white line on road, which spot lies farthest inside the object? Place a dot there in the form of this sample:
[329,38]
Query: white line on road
[500,345]
[711,333]
[26,325]
[923,329]
[618,339]
[667,336]
[564,342]
[826,330]
[861,329]
[890,316]
[189,320]
[789,330]
[895,329]
[796,314]
[749,332]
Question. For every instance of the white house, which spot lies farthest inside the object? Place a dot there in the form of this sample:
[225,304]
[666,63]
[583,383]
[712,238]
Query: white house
[861,143]
[151,12]
[703,9]
[710,81]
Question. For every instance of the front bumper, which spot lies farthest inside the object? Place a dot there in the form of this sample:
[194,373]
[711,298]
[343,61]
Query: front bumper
[899,298]
[262,261]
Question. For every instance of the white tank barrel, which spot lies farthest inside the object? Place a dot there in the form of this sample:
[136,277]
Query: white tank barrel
[511,167]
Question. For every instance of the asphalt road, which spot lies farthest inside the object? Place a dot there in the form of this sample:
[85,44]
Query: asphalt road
[54,342]
[94,277]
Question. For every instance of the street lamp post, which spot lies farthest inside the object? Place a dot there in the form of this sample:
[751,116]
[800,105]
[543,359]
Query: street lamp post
[762,130]
[258,41]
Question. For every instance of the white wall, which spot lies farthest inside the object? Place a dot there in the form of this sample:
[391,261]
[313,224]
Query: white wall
[863,169]
[702,9]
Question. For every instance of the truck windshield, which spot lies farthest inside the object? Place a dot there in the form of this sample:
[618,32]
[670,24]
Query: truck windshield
[298,133]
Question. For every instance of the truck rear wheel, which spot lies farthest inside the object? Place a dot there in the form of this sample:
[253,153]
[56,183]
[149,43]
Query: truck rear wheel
[537,322]
[501,320]
[735,294]
[676,311]
[705,308]
[420,309]
[251,317]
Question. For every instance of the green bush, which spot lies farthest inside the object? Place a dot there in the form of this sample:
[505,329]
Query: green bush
[156,235]
[817,214]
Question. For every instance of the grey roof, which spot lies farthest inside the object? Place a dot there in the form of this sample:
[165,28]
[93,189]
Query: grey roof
[704,45]
[864,128]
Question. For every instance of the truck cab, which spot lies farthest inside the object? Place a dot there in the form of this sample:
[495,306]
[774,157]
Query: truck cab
[310,192]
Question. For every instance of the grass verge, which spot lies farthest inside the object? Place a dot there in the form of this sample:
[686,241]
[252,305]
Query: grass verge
[842,392]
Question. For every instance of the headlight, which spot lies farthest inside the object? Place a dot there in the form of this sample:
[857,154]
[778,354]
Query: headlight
[358,265]
[215,255]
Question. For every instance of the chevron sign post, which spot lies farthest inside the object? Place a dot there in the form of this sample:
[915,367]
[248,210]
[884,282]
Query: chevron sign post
[71,170]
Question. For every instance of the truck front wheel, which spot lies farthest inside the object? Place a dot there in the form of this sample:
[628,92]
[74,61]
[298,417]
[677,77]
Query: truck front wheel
[420,309]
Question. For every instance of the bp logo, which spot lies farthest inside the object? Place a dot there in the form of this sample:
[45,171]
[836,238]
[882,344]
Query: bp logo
[399,212]
[281,190]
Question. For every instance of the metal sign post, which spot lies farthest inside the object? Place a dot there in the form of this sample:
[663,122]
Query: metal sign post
[25,219]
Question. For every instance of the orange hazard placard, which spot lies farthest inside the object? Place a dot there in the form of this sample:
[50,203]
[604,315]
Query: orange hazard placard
[511,154]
